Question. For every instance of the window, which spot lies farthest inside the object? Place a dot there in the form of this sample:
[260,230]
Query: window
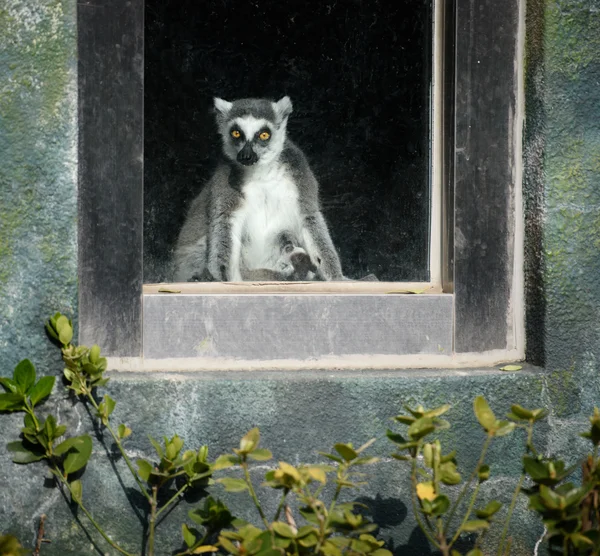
[478,165]
[359,76]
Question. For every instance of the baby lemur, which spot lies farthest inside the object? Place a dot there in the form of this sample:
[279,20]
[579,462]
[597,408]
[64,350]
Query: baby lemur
[258,218]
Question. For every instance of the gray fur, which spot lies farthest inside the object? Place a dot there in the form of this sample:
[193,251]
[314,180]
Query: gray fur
[210,244]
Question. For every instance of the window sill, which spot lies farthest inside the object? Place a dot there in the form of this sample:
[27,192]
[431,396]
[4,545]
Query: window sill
[334,329]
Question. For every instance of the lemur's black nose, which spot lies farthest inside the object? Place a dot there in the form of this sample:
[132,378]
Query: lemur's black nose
[247,156]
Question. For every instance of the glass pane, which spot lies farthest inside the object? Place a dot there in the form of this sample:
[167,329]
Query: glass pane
[358,74]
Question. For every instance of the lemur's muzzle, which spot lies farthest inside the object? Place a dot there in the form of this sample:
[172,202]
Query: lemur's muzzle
[247,156]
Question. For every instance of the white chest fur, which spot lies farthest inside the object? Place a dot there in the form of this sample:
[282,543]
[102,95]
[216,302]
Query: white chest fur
[270,207]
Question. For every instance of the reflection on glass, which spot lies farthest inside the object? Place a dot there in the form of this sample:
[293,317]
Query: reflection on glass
[228,197]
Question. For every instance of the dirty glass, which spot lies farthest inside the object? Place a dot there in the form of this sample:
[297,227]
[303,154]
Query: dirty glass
[358,73]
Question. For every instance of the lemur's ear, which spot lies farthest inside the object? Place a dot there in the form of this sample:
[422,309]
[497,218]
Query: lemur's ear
[283,108]
[222,106]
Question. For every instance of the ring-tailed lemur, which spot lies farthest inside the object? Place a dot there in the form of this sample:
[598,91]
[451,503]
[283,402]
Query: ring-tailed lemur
[258,218]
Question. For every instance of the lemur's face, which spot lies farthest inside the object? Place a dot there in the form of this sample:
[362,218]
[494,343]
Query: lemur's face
[253,130]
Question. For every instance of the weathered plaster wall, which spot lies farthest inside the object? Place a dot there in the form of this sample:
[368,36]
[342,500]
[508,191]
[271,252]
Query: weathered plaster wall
[38,169]
[298,414]
[562,191]
[305,412]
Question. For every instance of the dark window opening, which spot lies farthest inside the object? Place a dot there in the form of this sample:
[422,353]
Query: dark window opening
[359,76]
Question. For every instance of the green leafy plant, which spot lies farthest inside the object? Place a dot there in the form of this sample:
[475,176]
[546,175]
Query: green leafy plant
[10,546]
[331,529]
[442,519]
[570,513]
[445,505]
[67,457]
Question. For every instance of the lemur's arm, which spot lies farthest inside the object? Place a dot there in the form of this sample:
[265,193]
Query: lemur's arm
[224,235]
[315,234]
[319,246]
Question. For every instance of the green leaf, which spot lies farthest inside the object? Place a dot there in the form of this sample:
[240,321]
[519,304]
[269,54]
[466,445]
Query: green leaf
[437,411]
[305,530]
[29,422]
[365,460]
[67,444]
[226,460]
[405,419]
[233,485]
[511,368]
[228,545]
[124,431]
[12,402]
[188,537]
[484,414]
[440,505]
[448,473]
[475,525]
[421,427]
[394,437]
[492,507]
[260,454]
[9,385]
[157,447]
[204,549]
[331,457]
[283,529]
[521,413]
[61,322]
[50,328]
[250,440]
[42,389]
[10,546]
[76,491]
[145,469]
[24,375]
[177,443]
[78,455]
[502,428]
[66,334]
[535,468]
[428,455]
[484,473]
[317,473]
[310,539]
[50,427]
[171,451]
[22,454]
[346,451]
[110,404]
[551,500]
[94,354]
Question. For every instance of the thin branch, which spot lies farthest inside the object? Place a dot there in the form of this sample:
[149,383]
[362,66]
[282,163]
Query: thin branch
[468,483]
[281,503]
[244,465]
[153,505]
[413,498]
[89,515]
[122,450]
[172,499]
[40,536]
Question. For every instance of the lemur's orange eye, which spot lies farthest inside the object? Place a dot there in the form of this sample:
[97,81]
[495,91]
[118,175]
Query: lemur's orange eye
[265,135]
[235,134]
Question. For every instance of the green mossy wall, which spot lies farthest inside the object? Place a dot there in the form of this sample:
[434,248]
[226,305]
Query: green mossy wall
[38,172]
[308,411]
